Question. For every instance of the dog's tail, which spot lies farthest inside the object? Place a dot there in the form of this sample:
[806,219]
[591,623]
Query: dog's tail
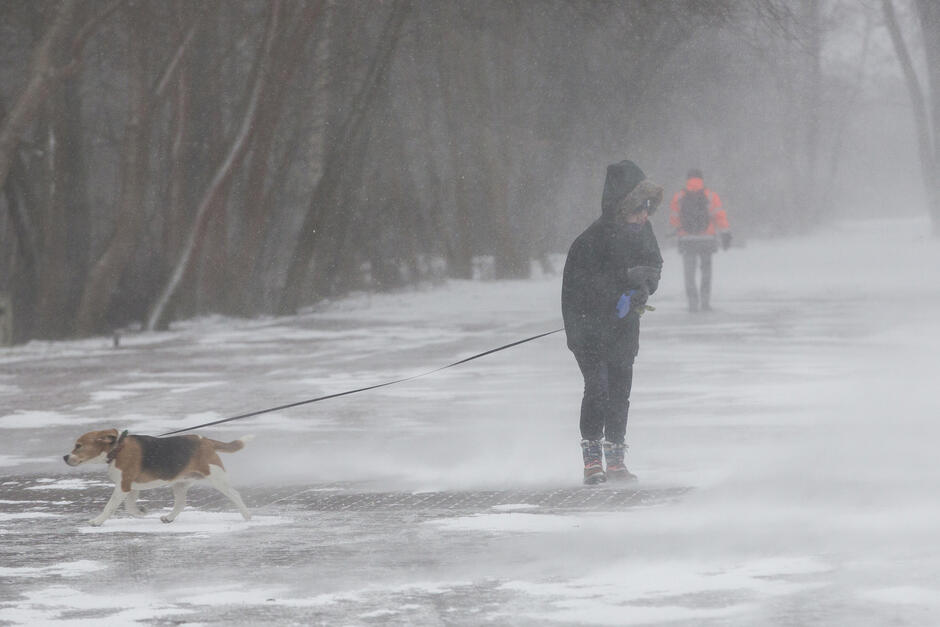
[230,447]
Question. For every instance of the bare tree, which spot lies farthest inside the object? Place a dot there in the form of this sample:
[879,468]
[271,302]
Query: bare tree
[929,13]
[345,146]
[45,73]
[65,212]
[107,270]
[927,141]
[288,55]
[222,174]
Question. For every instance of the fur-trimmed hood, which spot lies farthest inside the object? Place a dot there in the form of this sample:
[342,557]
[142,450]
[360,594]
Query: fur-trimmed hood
[645,190]
[626,188]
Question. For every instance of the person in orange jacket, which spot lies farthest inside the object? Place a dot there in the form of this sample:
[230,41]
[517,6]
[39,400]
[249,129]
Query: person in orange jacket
[701,223]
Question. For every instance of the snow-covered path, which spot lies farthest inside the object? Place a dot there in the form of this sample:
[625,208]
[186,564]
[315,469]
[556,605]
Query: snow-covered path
[802,414]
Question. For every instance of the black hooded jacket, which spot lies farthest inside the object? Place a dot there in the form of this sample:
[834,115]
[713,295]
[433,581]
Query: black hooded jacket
[595,273]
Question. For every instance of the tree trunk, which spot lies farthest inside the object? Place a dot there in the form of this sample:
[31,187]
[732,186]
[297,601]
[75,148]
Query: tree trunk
[929,11]
[264,298]
[220,180]
[204,144]
[288,57]
[454,64]
[66,227]
[24,280]
[812,106]
[210,255]
[43,77]
[101,287]
[928,157]
[437,201]
[324,193]
[64,212]
[839,132]
[180,137]
[332,259]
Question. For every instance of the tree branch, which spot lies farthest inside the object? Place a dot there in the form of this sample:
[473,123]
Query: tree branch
[78,44]
[222,174]
[918,102]
[170,72]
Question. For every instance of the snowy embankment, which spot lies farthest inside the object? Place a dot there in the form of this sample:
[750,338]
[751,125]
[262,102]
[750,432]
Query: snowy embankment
[803,412]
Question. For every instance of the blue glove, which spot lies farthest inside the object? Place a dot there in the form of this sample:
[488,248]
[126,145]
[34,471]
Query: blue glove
[634,299]
[623,305]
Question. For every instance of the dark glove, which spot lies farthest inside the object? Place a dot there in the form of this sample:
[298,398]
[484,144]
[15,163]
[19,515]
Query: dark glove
[646,277]
[725,240]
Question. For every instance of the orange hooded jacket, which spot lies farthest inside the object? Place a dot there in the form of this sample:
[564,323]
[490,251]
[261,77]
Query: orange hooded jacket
[718,220]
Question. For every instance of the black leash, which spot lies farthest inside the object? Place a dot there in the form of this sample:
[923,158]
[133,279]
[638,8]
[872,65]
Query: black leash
[371,387]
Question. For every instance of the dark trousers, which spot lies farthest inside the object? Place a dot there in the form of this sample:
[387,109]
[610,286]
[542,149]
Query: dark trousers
[606,401]
[698,253]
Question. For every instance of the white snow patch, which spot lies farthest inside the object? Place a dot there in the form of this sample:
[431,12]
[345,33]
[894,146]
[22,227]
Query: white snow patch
[234,594]
[509,522]
[9,390]
[25,501]
[904,595]
[147,385]
[228,595]
[5,516]
[636,592]
[66,484]
[189,522]
[12,460]
[512,507]
[103,396]
[25,419]
[65,569]
[384,613]
[190,387]
[783,566]
[600,612]
[53,604]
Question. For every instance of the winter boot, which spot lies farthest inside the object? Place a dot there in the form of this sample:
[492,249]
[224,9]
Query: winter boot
[593,468]
[616,470]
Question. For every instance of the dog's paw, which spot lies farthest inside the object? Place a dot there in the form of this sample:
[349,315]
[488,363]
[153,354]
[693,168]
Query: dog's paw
[167,519]
[94,522]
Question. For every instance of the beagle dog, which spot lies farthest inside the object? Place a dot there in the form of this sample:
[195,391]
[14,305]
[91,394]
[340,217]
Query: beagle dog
[142,462]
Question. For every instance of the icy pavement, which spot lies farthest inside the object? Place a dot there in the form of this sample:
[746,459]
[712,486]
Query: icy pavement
[785,445]
[211,566]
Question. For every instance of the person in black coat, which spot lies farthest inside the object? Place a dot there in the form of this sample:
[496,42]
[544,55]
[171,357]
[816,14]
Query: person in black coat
[611,270]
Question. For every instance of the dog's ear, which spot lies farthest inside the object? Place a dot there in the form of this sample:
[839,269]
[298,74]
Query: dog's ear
[110,436]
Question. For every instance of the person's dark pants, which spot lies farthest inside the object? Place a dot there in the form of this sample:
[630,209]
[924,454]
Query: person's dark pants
[606,401]
[698,253]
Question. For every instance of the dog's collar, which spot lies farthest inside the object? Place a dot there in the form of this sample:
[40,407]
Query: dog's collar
[116,447]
